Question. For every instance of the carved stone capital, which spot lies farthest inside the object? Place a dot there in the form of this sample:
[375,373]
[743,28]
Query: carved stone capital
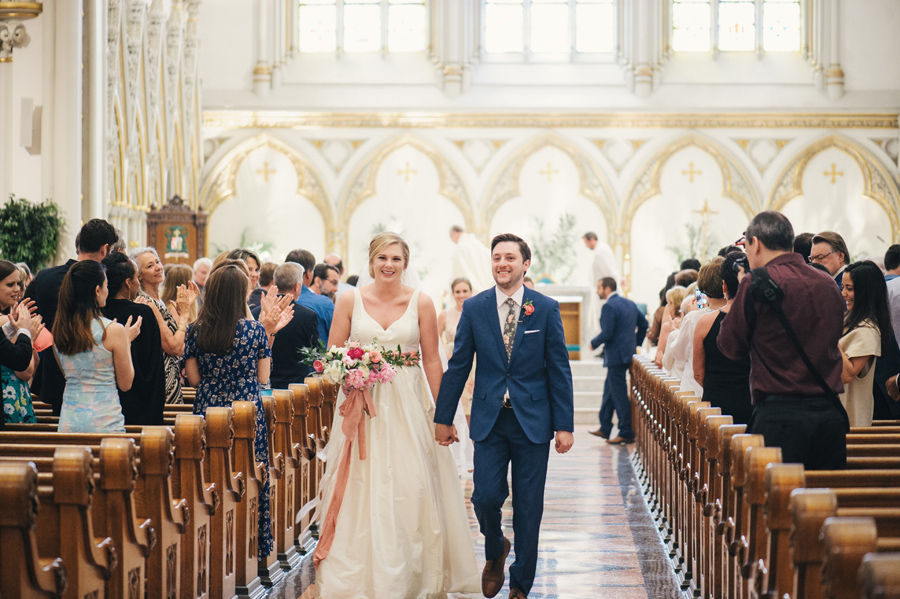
[12,35]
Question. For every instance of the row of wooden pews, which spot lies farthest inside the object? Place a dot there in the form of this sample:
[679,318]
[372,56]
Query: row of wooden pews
[161,511]
[740,524]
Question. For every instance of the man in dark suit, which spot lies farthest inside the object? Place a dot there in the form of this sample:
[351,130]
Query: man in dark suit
[523,395]
[622,329]
[91,243]
[301,331]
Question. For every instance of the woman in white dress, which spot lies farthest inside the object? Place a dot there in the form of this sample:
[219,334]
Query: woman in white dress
[402,529]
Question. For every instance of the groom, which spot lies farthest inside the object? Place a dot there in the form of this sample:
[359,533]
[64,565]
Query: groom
[523,393]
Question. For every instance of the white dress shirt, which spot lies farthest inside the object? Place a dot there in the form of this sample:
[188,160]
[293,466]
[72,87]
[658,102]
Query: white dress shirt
[503,307]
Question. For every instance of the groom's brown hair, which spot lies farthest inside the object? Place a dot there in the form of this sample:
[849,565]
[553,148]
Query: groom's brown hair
[523,246]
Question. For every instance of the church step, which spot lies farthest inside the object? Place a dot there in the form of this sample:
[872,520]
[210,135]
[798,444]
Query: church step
[586,415]
[587,368]
[589,384]
[588,399]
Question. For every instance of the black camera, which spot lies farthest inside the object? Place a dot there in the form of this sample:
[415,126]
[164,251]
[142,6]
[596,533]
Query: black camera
[741,263]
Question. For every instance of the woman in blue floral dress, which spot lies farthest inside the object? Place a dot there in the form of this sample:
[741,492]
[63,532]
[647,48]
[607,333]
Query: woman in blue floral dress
[16,392]
[227,357]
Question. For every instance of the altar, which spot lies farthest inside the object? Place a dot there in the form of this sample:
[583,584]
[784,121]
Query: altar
[574,307]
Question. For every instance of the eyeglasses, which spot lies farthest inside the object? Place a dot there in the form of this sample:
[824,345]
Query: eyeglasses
[821,257]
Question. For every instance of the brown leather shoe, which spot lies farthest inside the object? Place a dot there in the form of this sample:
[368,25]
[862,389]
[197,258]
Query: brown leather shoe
[597,433]
[619,441]
[494,573]
[517,594]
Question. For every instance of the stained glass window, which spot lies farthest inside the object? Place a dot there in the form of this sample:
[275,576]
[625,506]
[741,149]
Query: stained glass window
[549,26]
[362,25]
[690,25]
[736,25]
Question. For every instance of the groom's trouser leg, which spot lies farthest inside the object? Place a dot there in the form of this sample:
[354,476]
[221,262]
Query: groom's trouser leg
[491,463]
[529,474]
[607,408]
[616,382]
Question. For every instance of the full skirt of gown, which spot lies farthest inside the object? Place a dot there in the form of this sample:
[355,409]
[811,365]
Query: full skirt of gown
[402,531]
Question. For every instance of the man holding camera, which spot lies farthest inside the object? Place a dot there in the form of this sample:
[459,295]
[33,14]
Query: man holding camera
[788,318]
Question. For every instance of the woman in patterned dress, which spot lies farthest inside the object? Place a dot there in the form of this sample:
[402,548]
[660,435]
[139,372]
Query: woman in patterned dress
[94,353]
[16,391]
[172,319]
[227,356]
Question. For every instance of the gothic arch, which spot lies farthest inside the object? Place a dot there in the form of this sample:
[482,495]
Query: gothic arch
[363,184]
[221,182]
[736,183]
[877,182]
[592,183]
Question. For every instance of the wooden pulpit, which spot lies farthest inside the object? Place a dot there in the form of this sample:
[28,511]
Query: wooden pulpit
[177,232]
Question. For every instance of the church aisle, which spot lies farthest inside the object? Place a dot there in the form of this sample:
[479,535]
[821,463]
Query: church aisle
[597,536]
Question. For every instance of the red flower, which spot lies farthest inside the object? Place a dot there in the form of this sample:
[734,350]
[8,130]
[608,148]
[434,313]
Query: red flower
[529,309]
[317,366]
[356,353]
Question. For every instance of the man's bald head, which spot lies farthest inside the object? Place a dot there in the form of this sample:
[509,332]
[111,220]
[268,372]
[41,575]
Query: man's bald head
[335,260]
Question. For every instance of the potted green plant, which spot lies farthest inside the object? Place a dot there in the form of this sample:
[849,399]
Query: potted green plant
[30,232]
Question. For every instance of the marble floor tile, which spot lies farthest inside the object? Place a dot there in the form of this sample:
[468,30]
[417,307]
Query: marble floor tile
[597,536]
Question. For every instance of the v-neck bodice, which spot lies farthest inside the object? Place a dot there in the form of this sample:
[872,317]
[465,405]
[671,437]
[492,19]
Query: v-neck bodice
[403,332]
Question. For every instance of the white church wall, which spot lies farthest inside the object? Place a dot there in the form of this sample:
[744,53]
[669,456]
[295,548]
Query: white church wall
[27,95]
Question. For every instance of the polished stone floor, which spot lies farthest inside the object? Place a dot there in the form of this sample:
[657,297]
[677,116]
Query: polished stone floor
[597,536]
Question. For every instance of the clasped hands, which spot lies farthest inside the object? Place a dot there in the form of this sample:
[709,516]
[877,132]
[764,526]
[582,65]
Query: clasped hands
[275,314]
[445,434]
[23,316]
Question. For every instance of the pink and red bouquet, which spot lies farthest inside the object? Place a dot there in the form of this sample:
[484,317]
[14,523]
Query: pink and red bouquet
[354,366]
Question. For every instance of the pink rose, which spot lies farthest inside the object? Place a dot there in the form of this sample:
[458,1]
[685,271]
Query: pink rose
[374,357]
[353,344]
[528,309]
[356,353]
[317,366]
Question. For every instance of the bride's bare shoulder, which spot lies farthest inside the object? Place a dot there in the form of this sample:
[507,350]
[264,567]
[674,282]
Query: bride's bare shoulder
[346,300]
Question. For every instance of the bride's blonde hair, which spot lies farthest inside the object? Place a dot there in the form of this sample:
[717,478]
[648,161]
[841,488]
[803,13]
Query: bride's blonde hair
[381,242]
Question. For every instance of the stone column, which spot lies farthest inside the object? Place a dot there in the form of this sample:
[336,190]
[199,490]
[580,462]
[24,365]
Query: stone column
[62,173]
[834,76]
[94,123]
[262,72]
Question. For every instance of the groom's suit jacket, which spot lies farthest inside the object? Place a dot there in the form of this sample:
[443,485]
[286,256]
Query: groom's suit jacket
[537,374]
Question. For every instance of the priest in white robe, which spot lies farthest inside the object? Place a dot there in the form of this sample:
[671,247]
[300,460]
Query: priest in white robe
[470,259]
[603,264]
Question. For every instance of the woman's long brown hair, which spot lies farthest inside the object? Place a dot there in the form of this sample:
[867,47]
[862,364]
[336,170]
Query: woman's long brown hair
[77,308]
[224,305]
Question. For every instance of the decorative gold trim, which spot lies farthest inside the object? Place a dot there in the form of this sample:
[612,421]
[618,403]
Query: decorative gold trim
[6,59]
[20,11]
[247,119]
[878,185]
[363,181]
[592,184]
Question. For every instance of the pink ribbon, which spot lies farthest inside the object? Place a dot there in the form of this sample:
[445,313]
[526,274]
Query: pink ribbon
[353,427]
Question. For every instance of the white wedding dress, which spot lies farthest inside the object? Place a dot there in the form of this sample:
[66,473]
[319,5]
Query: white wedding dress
[402,531]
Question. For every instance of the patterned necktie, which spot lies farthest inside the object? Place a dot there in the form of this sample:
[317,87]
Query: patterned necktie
[509,328]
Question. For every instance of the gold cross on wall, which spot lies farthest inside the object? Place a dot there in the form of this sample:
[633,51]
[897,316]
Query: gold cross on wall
[834,173]
[691,172]
[549,172]
[266,171]
[406,172]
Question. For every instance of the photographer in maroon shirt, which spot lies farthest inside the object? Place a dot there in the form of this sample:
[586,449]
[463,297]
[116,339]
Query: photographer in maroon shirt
[791,409]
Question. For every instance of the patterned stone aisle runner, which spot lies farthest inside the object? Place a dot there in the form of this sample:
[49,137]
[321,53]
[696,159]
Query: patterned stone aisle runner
[597,536]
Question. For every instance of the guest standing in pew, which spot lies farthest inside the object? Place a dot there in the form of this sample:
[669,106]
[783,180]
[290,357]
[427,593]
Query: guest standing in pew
[143,404]
[179,275]
[266,284]
[94,353]
[253,263]
[302,331]
[796,407]
[16,392]
[172,319]
[92,242]
[725,382]
[867,331]
[227,356]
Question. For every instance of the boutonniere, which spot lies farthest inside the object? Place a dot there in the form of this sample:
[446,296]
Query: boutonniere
[527,309]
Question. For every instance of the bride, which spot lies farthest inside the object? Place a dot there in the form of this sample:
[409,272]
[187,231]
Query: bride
[401,530]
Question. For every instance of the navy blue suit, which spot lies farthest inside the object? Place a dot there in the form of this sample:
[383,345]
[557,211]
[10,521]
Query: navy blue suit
[539,380]
[622,329]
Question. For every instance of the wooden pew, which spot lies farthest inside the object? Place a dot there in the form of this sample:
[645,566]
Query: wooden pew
[24,573]
[307,494]
[269,567]
[65,527]
[285,505]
